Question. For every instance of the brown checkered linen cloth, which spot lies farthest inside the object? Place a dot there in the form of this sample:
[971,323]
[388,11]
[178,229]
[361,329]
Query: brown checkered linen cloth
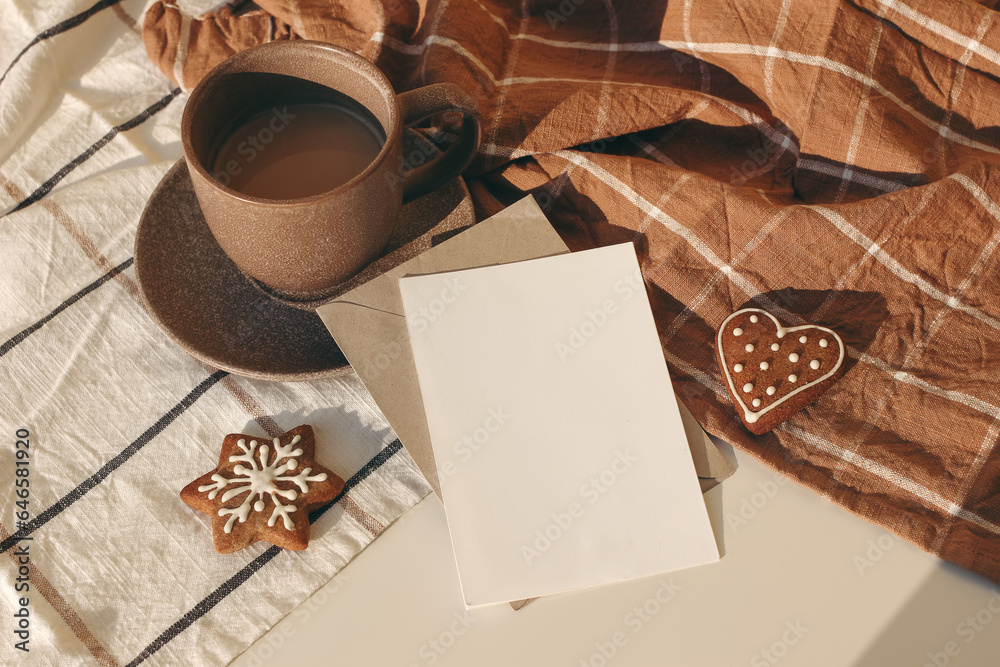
[833,162]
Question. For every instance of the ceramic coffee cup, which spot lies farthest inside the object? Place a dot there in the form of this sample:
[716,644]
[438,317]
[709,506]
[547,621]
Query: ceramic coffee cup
[302,248]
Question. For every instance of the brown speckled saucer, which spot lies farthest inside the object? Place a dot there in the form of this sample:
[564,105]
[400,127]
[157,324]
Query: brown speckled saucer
[202,301]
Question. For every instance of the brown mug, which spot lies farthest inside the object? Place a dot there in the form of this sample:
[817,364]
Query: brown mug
[303,248]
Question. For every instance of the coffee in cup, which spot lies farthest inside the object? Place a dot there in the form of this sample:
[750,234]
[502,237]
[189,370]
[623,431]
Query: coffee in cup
[295,155]
[298,150]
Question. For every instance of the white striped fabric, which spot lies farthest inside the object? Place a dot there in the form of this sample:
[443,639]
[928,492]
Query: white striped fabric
[120,419]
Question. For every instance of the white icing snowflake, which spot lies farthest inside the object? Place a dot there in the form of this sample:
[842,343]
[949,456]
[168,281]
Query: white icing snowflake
[259,479]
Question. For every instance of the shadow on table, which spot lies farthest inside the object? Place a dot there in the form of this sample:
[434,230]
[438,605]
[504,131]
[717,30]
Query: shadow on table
[938,626]
[346,441]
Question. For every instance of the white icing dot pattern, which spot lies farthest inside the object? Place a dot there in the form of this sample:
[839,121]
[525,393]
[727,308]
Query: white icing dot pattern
[754,408]
[738,368]
[814,364]
[737,331]
[259,479]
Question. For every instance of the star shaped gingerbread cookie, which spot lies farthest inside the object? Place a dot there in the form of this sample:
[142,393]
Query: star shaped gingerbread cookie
[264,490]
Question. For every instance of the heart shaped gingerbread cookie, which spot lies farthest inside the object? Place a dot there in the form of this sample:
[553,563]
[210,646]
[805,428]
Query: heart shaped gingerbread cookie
[773,371]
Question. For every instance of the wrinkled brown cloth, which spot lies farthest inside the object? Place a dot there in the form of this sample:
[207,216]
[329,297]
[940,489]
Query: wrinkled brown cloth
[833,162]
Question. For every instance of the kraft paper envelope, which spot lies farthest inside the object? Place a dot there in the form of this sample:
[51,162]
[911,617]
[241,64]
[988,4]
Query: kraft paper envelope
[563,456]
[369,327]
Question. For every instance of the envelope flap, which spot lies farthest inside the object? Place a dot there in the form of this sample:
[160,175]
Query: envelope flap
[510,236]
[709,462]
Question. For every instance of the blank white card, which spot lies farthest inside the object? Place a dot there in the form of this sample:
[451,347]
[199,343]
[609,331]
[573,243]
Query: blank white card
[560,449]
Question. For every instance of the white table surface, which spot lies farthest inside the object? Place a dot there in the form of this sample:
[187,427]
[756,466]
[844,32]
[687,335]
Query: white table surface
[802,582]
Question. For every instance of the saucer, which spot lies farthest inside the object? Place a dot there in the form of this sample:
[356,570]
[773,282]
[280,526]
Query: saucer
[203,302]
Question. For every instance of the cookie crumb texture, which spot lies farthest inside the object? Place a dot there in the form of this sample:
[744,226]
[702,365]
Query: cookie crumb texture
[263,489]
[772,371]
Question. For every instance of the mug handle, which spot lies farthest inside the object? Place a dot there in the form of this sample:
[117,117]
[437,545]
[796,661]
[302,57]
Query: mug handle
[417,105]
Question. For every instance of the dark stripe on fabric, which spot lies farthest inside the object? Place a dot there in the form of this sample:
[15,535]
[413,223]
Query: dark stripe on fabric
[115,463]
[19,338]
[387,453]
[47,186]
[231,584]
[59,28]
